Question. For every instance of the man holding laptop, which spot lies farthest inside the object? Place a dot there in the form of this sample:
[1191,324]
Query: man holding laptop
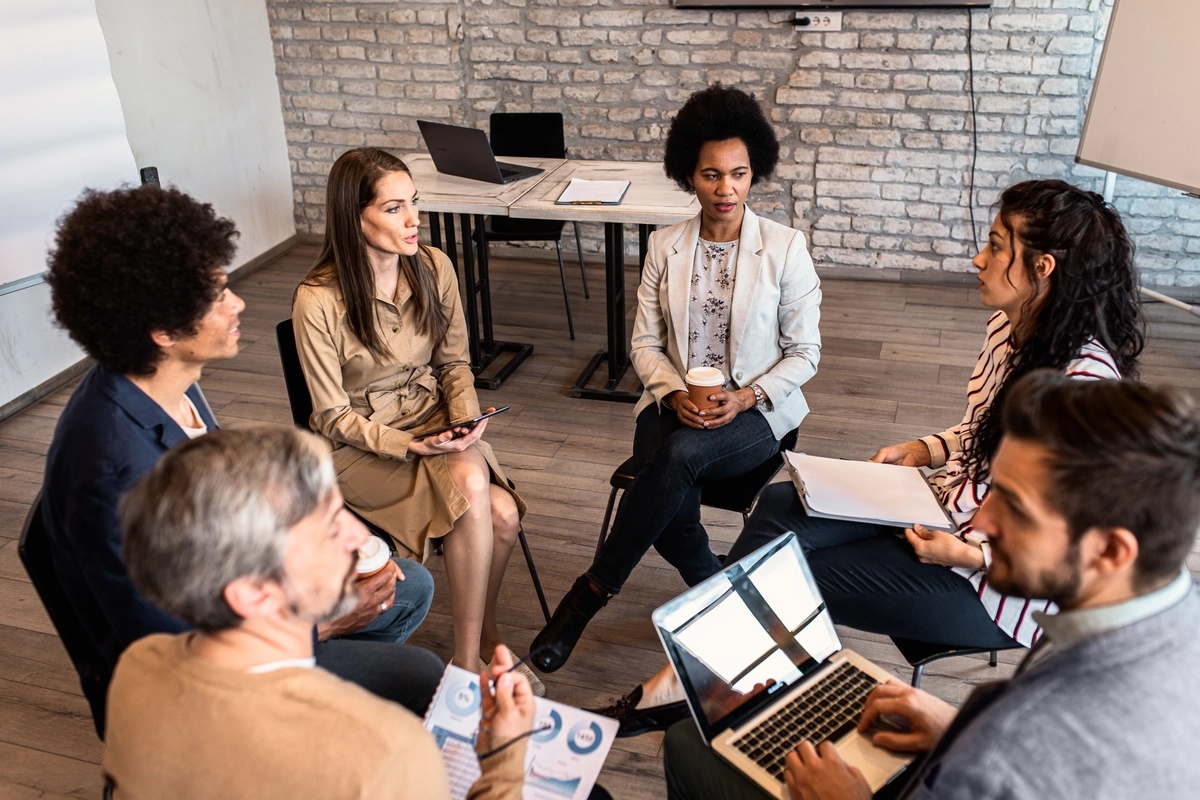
[1095,503]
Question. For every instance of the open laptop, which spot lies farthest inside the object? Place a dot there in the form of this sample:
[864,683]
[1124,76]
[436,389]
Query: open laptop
[757,654]
[465,152]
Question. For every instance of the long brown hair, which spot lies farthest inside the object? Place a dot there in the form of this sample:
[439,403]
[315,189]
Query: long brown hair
[343,258]
[1092,293]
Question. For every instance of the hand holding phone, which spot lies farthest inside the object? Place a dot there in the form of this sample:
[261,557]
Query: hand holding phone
[469,424]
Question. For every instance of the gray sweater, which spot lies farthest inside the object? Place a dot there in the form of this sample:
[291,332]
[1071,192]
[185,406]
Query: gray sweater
[1115,716]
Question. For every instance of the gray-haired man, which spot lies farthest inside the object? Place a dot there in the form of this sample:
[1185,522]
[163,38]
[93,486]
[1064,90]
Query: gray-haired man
[243,535]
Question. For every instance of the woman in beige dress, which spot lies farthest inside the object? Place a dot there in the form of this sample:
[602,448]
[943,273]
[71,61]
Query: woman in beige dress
[383,343]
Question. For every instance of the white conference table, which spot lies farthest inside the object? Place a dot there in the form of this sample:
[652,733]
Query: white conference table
[652,200]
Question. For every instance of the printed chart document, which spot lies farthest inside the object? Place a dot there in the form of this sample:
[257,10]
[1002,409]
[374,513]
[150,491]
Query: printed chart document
[563,758]
[886,494]
[582,192]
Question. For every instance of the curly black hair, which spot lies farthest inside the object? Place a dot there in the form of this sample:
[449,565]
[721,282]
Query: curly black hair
[132,261]
[1093,292]
[714,115]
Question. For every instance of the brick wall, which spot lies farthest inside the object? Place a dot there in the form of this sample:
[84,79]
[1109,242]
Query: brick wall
[875,120]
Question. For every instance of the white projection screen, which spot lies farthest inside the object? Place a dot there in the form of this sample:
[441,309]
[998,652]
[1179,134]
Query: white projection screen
[1143,115]
[62,130]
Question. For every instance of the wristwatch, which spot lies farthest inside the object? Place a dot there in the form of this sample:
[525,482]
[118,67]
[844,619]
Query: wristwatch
[760,399]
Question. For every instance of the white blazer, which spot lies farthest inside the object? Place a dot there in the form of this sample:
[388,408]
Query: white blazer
[773,319]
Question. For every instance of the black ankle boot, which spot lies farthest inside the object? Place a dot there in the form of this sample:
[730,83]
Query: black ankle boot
[554,644]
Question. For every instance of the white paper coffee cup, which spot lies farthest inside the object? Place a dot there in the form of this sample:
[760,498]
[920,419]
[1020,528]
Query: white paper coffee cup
[701,382]
[372,556]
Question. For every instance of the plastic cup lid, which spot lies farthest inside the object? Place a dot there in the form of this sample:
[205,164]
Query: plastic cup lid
[372,555]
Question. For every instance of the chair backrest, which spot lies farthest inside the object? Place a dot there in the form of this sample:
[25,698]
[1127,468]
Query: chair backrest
[33,548]
[293,374]
[536,134]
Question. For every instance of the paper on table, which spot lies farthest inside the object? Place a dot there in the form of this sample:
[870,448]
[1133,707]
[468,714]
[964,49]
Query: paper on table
[562,761]
[581,191]
[886,494]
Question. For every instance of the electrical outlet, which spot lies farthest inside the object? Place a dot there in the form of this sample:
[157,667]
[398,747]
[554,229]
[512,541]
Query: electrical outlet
[822,21]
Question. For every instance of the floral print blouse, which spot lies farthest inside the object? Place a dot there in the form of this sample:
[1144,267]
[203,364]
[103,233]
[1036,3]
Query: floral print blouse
[709,305]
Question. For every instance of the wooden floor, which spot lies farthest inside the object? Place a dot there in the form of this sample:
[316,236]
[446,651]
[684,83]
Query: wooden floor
[895,361]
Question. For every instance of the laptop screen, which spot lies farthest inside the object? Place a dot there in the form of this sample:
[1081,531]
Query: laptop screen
[746,634]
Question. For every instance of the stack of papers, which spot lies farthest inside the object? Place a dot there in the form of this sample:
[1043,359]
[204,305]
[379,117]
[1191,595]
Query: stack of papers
[863,491]
[582,192]
[564,755]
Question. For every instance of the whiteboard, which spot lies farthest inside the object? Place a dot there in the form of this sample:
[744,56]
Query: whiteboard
[63,128]
[1144,112]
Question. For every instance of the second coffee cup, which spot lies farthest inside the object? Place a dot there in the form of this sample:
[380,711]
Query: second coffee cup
[372,557]
[702,382]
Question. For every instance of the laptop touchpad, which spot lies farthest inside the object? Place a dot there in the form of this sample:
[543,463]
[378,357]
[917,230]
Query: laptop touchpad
[877,765]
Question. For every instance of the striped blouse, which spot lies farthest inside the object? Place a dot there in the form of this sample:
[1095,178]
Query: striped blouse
[962,496]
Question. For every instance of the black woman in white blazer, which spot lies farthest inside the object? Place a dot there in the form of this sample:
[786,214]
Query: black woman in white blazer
[727,290]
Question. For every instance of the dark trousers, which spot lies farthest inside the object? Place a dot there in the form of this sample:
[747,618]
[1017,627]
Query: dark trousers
[398,672]
[661,508]
[695,772]
[870,577]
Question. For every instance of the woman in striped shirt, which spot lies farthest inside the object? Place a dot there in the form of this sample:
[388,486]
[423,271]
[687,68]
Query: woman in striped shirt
[1058,269]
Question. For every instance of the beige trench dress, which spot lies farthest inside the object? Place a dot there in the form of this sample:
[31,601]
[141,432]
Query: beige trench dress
[371,410]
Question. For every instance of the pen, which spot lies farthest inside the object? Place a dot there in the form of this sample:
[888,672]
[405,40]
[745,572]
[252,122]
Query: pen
[520,661]
[587,202]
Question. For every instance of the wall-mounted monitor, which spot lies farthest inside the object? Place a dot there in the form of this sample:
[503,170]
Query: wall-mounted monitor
[846,5]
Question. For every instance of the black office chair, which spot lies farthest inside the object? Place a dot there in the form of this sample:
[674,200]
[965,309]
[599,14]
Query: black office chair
[301,405]
[33,548]
[735,494]
[920,654]
[533,135]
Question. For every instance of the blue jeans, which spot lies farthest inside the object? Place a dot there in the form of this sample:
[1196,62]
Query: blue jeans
[870,577]
[375,658]
[414,595]
[661,508]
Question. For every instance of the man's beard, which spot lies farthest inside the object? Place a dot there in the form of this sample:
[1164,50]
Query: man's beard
[345,603]
[1060,585]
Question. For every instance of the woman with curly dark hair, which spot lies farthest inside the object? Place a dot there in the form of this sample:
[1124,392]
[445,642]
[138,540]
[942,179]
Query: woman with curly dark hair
[1058,270]
[728,291]
[383,342]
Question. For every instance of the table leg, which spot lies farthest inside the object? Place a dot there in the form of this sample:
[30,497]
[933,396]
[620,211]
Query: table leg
[478,306]
[467,277]
[484,287]
[617,354]
[435,231]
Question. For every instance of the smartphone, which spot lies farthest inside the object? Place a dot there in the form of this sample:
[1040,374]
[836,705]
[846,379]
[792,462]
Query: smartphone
[467,423]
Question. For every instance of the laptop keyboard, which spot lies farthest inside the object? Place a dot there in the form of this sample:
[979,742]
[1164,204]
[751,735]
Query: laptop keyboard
[826,710]
[508,173]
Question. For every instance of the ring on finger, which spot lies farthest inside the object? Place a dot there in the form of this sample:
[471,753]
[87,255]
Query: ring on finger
[383,607]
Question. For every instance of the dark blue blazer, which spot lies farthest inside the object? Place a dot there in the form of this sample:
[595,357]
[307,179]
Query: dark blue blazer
[110,435]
